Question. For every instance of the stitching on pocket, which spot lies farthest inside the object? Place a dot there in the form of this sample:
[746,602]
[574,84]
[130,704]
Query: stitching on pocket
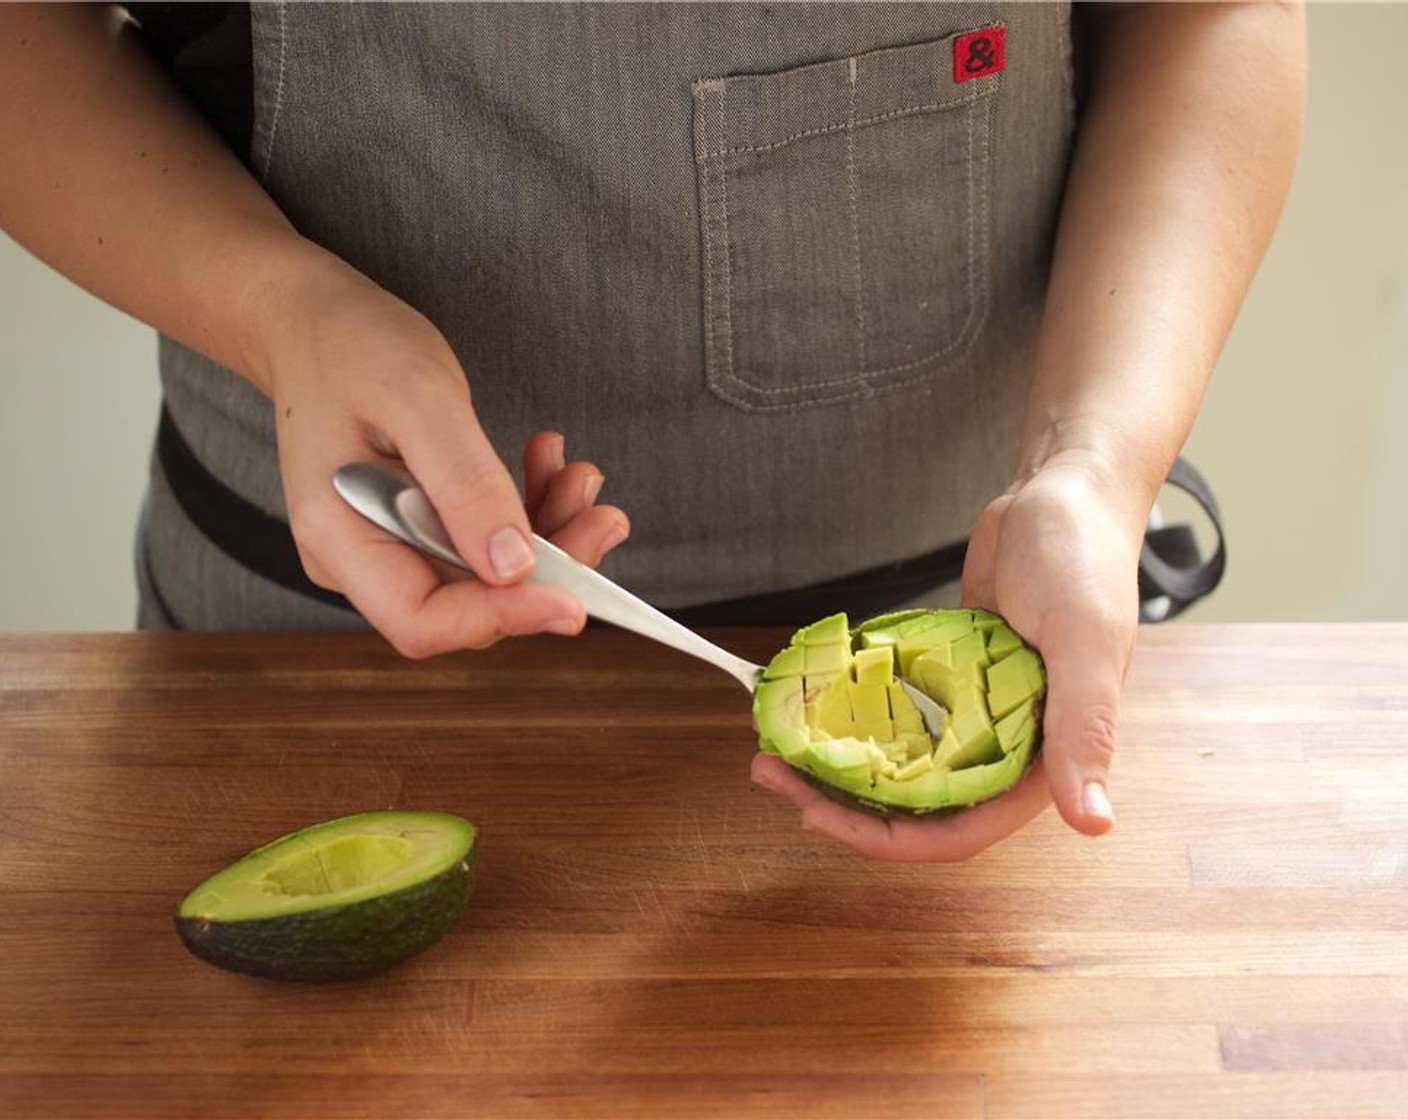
[718,295]
[706,213]
[711,153]
[823,130]
[855,217]
[977,215]
[278,92]
[710,247]
[728,252]
[972,220]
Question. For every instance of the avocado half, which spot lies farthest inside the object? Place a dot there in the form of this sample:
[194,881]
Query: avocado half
[829,705]
[335,901]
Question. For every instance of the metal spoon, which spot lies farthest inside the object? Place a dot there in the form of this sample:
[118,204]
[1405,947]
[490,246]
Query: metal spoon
[401,508]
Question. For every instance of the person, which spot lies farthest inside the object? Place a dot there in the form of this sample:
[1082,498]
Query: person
[823,288]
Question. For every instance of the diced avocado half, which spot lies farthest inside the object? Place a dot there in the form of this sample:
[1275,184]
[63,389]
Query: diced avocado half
[338,900]
[829,705]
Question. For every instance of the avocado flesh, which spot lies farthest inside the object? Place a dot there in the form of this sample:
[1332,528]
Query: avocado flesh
[841,718]
[337,900]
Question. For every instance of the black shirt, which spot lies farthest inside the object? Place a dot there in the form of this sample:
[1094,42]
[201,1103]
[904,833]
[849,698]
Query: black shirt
[207,49]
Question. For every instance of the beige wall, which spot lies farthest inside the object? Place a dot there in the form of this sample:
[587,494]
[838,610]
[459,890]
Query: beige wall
[1304,433]
[78,382]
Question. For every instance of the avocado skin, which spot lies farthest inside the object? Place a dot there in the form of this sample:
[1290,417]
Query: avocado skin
[874,808]
[338,942]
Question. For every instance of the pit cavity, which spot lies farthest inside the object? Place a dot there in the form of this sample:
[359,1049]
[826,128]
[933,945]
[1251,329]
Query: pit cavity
[344,863]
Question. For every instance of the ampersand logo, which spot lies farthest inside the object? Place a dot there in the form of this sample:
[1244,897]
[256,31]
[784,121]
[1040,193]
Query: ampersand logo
[979,56]
[979,53]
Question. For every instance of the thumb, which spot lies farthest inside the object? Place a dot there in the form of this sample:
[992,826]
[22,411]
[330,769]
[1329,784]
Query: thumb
[1085,669]
[471,489]
[979,587]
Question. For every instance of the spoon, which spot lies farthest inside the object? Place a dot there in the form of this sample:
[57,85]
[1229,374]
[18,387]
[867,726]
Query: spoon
[389,500]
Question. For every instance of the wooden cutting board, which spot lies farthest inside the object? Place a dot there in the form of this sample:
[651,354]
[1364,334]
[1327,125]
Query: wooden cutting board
[654,936]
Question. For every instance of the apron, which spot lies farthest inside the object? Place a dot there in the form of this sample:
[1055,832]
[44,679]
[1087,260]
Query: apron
[776,269]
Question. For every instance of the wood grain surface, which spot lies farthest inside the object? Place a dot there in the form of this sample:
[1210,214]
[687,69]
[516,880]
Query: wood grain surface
[653,936]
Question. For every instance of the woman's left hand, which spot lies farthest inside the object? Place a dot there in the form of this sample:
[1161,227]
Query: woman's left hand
[1059,560]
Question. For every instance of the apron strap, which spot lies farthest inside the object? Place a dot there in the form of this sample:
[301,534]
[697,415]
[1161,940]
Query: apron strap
[241,530]
[1170,565]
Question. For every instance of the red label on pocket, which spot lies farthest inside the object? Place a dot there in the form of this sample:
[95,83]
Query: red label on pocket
[979,52]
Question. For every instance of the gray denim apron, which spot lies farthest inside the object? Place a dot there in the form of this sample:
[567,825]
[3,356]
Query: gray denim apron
[776,269]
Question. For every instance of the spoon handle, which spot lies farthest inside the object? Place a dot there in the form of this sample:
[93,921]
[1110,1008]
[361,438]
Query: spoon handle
[401,508]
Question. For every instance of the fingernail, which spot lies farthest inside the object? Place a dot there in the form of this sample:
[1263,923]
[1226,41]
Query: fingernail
[559,452]
[567,627]
[613,538]
[765,779]
[591,488]
[1096,802]
[509,554]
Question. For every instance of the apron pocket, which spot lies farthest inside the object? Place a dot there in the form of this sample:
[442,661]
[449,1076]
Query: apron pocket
[844,213]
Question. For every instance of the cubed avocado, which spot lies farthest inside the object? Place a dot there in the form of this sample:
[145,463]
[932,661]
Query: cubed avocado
[882,628]
[976,741]
[970,656]
[825,660]
[903,713]
[846,762]
[906,650]
[868,701]
[933,672]
[1002,641]
[974,784]
[875,639]
[815,686]
[915,766]
[830,631]
[849,725]
[1016,726]
[831,709]
[788,741]
[986,621]
[1013,679]
[879,731]
[915,744]
[787,663]
[786,692]
[919,793]
[936,627]
[874,667]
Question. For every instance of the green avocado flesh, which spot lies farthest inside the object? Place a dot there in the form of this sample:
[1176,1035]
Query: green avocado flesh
[829,705]
[338,900]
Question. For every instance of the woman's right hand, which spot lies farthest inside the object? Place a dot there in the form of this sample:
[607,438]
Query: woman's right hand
[357,375]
